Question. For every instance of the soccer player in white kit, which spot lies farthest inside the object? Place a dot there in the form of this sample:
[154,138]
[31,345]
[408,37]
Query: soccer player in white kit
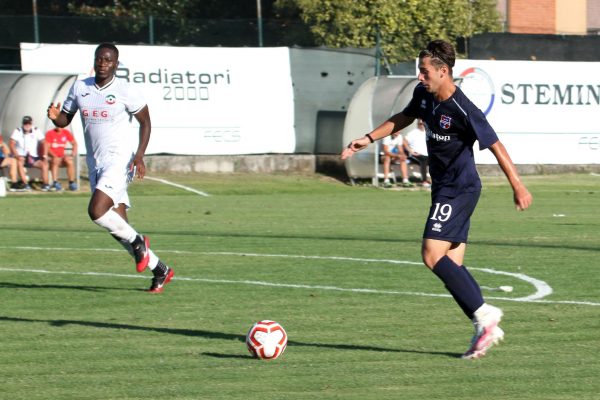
[106,104]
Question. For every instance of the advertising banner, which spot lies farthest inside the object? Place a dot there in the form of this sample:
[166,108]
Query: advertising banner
[543,112]
[202,101]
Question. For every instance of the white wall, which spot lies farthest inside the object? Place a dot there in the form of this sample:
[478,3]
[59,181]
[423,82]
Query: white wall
[544,112]
[203,101]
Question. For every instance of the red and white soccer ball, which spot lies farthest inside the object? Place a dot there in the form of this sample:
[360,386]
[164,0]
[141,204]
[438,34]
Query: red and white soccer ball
[266,340]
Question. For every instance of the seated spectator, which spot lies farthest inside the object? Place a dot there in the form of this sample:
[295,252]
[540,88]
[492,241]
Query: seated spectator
[24,144]
[393,152]
[8,161]
[56,141]
[416,145]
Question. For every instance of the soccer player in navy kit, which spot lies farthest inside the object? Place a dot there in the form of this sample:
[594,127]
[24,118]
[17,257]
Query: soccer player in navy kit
[453,124]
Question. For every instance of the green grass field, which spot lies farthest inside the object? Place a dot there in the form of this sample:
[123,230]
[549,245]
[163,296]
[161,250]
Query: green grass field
[337,266]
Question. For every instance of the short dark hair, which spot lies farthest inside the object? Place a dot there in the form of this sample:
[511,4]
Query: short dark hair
[107,45]
[441,53]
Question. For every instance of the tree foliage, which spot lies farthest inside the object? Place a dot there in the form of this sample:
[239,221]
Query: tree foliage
[213,9]
[230,9]
[405,26]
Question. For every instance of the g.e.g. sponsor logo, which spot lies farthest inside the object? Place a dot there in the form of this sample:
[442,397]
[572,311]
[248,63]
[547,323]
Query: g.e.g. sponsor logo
[96,115]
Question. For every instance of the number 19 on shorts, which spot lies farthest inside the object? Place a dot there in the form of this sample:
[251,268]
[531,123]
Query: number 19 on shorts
[442,212]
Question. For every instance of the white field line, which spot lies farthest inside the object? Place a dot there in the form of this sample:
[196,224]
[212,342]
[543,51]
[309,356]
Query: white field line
[177,185]
[542,288]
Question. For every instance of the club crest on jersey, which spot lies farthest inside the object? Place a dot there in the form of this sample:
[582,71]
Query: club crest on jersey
[110,99]
[445,122]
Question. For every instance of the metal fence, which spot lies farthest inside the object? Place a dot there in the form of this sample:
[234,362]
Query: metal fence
[151,30]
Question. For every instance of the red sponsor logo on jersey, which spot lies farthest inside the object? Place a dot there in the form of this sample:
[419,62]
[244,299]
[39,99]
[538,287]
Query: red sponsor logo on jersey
[445,121]
[94,113]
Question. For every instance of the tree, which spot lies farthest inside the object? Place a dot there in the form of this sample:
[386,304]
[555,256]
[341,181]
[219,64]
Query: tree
[198,22]
[183,22]
[405,26]
[229,9]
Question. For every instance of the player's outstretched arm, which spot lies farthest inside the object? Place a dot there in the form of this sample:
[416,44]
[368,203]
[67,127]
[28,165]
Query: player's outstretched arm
[522,197]
[354,146]
[394,124]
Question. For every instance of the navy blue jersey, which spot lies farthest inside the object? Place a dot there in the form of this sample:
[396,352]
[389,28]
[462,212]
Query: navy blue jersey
[452,127]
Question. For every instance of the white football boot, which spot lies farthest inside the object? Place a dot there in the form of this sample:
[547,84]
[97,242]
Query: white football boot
[487,331]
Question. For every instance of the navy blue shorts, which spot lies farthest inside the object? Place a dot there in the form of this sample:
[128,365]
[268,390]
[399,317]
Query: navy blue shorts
[450,217]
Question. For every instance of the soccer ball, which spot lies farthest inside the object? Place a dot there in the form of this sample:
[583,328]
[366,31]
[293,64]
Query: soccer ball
[266,340]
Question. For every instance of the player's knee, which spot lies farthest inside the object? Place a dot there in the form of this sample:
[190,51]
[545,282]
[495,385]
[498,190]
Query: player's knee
[95,212]
[92,214]
[429,258]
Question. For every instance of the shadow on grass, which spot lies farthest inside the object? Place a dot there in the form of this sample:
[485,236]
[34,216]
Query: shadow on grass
[219,355]
[10,285]
[376,238]
[59,323]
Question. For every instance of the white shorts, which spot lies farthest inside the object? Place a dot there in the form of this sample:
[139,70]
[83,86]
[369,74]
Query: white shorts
[113,181]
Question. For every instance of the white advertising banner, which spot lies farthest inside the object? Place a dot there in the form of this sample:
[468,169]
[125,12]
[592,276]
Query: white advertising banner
[544,112]
[202,101]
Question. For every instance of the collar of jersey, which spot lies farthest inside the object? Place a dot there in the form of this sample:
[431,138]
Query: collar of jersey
[107,85]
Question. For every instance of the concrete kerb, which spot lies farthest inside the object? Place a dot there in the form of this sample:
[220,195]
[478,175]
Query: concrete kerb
[328,164]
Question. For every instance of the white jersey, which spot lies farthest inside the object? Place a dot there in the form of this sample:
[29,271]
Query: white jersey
[392,142]
[106,117]
[417,141]
[27,143]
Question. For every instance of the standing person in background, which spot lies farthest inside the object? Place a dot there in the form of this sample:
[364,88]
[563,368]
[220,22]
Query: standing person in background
[56,141]
[105,104]
[453,124]
[25,143]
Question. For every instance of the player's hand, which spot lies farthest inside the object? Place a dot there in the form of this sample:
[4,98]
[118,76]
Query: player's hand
[138,167]
[522,198]
[354,146]
[53,111]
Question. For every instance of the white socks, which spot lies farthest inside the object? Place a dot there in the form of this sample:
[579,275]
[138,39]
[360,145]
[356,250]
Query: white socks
[488,314]
[117,226]
[123,232]
[153,260]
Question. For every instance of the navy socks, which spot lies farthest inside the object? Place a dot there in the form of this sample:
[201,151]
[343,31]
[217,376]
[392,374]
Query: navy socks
[461,285]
